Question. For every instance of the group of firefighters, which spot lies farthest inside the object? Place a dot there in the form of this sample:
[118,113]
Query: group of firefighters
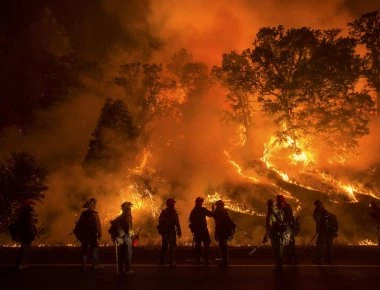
[281,228]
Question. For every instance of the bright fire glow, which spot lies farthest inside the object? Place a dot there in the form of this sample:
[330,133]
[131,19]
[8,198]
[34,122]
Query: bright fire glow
[367,242]
[232,205]
[139,169]
[238,168]
[304,157]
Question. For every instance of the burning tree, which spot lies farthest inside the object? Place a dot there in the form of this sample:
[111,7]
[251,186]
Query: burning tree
[237,74]
[188,75]
[21,178]
[366,31]
[128,132]
[113,137]
[306,79]
[154,93]
[146,90]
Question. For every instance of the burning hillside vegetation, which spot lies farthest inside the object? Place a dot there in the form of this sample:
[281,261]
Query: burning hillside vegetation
[161,106]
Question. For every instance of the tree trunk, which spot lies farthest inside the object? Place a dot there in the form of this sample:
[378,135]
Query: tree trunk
[245,114]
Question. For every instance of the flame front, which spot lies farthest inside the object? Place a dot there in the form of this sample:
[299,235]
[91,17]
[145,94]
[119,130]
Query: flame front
[231,205]
[301,155]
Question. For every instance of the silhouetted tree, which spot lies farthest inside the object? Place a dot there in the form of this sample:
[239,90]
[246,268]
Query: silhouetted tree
[153,93]
[147,91]
[189,75]
[306,80]
[36,60]
[366,31]
[21,178]
[156,92]
[237,75]
[113,140]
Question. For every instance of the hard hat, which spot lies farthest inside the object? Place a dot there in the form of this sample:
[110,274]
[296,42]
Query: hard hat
[280,197]
[89,203]
[126,204]
[170,202]
[199,200]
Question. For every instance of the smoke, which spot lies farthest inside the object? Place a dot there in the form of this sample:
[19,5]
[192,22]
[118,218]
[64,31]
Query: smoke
[189,156]
[212,28]
[369,146]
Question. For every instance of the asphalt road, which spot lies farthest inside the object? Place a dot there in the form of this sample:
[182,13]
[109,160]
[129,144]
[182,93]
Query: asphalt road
[58,268]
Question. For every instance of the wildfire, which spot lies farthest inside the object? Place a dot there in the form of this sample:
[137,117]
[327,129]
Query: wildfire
[141,199]
[350,192]
[348,189]
[284,176]
[238,168]
[140,168]
[301,154]
[367,242]
[305,157]
[232,205]
[240,138]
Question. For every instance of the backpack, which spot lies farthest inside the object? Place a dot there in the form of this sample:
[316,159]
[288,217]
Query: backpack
[163,223]
[280,225]
[295,225]
[83,225]
[22,230]
[115,230]
[224,226]
[166,222]
[14,231]
[332,224]
[78,231]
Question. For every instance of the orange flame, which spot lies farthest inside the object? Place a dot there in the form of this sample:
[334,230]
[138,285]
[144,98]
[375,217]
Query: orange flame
[232,205]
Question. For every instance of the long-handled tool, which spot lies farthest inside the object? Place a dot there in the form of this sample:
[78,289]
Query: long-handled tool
[256,248]
[117,258]
[192,258]
[312,239]
[243,231]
